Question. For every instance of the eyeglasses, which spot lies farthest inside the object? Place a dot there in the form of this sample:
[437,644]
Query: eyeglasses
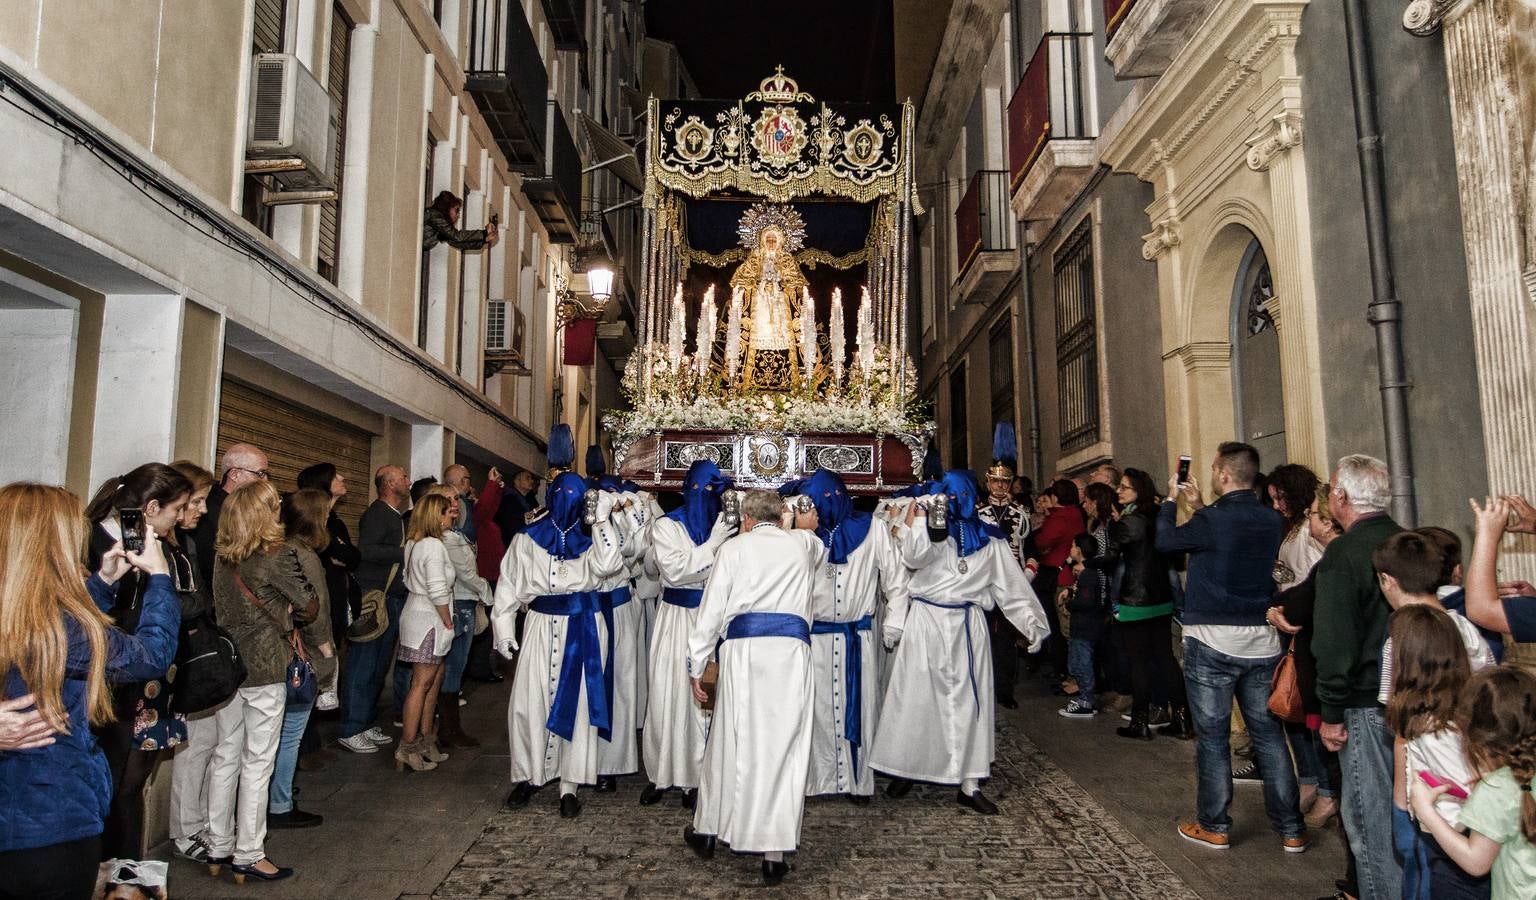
[259,473]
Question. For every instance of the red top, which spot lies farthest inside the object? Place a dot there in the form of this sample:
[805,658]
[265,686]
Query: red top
[1054,539]
[489,546]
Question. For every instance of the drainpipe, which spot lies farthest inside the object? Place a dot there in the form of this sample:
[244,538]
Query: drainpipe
[1028,304]
[1385,312]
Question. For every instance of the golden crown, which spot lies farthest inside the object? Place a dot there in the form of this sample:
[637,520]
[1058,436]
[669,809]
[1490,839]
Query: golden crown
[772,215]
[779,88]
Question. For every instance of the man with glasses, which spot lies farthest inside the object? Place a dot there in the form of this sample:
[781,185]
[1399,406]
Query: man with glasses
[241,464]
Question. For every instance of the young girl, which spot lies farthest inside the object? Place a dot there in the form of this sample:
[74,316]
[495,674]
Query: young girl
[1497,717]
[1431,668]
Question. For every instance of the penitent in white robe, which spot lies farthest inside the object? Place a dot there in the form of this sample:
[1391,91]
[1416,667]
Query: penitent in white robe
[936,722]
[621,754]
[645,581]
[675,726]
[752,786]
[847,593]
[527,572]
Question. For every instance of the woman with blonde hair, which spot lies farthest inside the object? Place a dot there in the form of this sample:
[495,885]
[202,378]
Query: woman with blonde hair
[469,591]
[426,629]
[260,593]
[58,653]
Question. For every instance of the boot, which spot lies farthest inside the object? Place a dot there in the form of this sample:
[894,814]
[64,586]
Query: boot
[410,755]
[429,748]
[1138,729]
[450,730]
[1180,726]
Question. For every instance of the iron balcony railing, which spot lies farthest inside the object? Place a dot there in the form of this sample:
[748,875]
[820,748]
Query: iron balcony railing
[1115,12]
[556,190]
[983,220]
[566,20]
[1051,101]
[506,76]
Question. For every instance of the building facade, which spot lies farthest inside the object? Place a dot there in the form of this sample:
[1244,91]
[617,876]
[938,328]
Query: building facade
[211,229]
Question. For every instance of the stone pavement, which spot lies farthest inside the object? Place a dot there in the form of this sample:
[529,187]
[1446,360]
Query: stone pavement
[1084,814]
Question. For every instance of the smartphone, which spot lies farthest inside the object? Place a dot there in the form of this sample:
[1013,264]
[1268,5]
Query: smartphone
[1452,788]
[132,522]
[1183,470]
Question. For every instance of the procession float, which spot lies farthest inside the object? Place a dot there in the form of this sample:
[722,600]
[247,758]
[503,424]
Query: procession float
[773,313]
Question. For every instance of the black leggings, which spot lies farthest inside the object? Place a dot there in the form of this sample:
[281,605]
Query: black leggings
[123,835]
[56,872]
[1149,646]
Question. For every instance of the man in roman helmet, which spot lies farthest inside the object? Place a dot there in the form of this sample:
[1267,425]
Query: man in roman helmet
[1000,510]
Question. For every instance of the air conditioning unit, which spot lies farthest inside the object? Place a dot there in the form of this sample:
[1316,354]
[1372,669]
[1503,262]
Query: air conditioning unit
[506,330]
[289,134]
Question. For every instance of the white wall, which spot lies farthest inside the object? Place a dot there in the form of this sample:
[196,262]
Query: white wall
[136,383]
[37,366]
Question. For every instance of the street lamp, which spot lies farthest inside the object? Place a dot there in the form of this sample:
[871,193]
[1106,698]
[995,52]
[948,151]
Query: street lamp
[600,283]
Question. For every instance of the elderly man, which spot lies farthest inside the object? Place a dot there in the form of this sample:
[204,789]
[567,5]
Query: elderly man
[456,476]
[381,542]
[936,724]
[757,609]
[241,464]
[1230,651]
[863,564]
[559,711]
[1349,627]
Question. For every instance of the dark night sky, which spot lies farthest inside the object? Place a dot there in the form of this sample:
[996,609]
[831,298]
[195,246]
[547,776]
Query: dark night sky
[835,49]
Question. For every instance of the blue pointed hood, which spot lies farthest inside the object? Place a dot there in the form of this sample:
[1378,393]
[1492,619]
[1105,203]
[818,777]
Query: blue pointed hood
[703,490]
[968,530]
[562,533]
[841,528]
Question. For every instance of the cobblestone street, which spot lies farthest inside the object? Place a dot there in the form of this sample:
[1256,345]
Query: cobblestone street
[1084,814]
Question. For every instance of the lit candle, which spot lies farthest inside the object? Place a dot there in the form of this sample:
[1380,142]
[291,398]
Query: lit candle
[704,338]
[733,335]
[835,337]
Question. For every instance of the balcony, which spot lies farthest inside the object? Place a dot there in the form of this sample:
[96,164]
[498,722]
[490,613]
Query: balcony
[984,238]
[1051,128]
[556,189]
[506,77]
[1145,35]
[566,18]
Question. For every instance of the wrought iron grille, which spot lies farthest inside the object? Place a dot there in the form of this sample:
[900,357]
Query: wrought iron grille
[1077,345]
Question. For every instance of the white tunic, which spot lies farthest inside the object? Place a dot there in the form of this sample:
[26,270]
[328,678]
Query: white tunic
[645,582]
[752,786]
[847,593]
[528,572]
[675,726]
[936,723]
[621,754]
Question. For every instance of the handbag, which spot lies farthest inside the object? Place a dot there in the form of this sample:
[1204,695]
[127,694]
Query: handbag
[373,618]
[1285,691]
[208,666]
[299,675]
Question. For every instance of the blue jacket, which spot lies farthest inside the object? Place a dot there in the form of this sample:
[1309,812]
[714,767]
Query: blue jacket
[61,793]
[1232,546]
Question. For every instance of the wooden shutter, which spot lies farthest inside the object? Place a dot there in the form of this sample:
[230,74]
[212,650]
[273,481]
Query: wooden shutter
[336,84]
[267,28]
[295,438]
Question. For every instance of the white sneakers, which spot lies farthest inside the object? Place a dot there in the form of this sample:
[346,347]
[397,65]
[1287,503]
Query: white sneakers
[377,735]
[366,741]
[327,701]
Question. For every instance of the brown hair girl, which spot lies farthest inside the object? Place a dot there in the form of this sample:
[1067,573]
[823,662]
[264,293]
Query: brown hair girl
[1429,669]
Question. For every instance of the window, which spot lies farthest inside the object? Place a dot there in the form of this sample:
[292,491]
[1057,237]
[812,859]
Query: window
[959,428]
[336,84]
[1000,359]
[1077,346]
[268,30]
[424,301]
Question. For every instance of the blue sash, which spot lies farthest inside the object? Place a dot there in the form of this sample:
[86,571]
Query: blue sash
[853,678]
[766,624]
[583,659]
[607,602]
[970,652]
[687,598]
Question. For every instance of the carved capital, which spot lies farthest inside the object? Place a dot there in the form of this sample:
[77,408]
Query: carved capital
[1204,355]
[1163,237]
[1281,134]
[1423,17]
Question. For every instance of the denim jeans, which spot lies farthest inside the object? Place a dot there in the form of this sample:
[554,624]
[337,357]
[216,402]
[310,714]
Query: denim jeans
[1365,804]
[1412,853]
[363,677]
[458,654]
[1080,666]
[280,791]
[1212,680]
[1307,747]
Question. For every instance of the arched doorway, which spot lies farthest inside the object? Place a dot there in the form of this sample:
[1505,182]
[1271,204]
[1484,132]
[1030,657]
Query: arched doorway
[1258,394]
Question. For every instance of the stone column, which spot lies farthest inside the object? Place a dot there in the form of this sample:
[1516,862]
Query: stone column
[1491,158]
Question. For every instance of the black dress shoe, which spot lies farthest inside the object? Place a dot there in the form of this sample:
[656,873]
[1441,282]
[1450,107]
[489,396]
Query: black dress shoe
[703,844]
[1007,703]
[522,792]
[1137,730]
[690,798]
[774,872]
[294,818]
[651,795]
[1180,727]
[977,801]
[607,784]
[898,788]
[570,807]
[858,799]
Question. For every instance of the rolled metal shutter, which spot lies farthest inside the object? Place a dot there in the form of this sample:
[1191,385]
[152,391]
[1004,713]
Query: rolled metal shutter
[295,438]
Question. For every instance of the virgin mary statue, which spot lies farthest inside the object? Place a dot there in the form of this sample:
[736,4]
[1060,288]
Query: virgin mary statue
[772,283]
